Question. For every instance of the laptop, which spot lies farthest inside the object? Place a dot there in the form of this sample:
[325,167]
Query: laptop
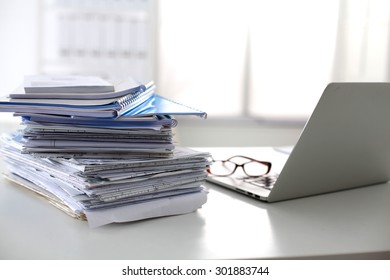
[345,144]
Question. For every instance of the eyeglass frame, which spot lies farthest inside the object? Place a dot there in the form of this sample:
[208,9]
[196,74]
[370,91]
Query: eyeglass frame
[266,163]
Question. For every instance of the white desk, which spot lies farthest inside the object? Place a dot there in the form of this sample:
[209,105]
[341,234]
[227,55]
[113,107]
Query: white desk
[348,224]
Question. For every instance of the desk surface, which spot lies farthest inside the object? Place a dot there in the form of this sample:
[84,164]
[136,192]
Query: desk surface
[347,224]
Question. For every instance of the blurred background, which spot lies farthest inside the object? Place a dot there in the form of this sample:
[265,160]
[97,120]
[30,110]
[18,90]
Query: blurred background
[256,67]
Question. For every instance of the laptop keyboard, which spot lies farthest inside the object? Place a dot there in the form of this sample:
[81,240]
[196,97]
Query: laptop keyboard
[265,181]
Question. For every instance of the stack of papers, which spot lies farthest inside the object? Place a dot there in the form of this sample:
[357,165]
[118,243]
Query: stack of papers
[107,170]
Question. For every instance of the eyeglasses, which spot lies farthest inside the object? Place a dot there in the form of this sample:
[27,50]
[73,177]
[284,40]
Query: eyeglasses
[252,168]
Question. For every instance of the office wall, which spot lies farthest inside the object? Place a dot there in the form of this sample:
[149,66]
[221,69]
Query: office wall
[19,44]
[18,47]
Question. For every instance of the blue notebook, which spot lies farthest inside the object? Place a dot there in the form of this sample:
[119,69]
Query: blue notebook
[158,105]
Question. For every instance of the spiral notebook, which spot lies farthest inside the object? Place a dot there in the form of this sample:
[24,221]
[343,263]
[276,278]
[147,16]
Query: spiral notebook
[110,110]
[129,100]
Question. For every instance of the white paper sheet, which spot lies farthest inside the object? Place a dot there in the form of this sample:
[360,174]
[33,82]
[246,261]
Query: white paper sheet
[176,205]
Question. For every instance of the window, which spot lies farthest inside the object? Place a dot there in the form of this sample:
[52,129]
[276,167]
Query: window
[268,59]
[260,59]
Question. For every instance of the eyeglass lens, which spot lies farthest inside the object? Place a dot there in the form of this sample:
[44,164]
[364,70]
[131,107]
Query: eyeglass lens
[225,168]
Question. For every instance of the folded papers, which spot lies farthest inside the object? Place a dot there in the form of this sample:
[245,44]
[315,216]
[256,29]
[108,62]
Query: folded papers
[107,170]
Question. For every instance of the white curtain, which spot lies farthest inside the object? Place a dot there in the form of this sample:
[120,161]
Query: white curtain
[202,47]
[292,50]
[362,49]
[268,59]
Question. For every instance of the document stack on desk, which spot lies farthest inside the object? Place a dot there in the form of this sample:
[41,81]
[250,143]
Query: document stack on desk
[104,170]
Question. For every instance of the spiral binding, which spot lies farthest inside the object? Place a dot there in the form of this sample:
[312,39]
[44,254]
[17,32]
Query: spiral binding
[127,100]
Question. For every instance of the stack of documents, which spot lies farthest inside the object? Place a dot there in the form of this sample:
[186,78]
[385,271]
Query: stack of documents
[103,169]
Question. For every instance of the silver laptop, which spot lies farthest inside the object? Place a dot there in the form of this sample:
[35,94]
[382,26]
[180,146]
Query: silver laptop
[345,144]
